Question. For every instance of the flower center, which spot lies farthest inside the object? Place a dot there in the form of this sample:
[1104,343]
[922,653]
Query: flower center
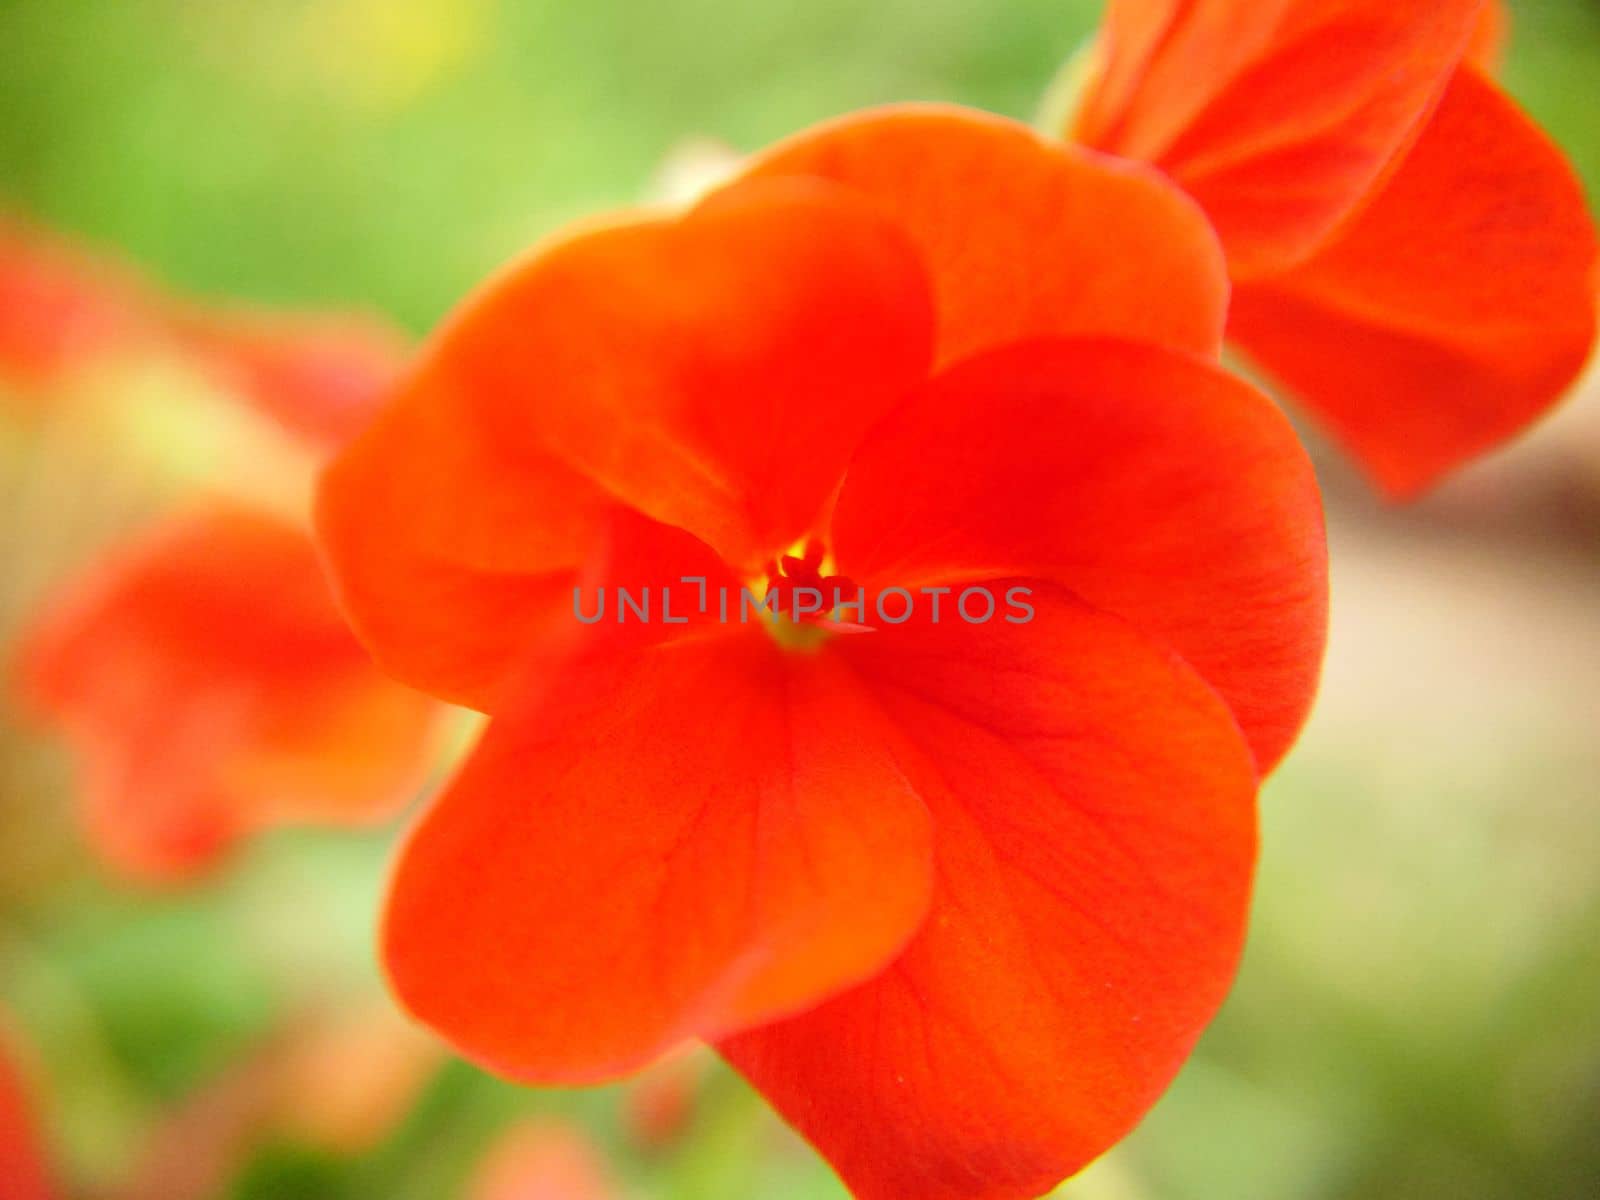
[805,600]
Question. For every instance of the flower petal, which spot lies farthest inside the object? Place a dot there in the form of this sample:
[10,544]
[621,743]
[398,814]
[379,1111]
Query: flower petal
[670,841]
[714,372]
[1278,116]
[1095,817]
[1489,38]
[210,686]
[1453,311]
[454,559]
[1156,486]
[1024,238]
[448,556]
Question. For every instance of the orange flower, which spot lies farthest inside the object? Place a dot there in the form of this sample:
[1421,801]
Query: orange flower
[64,307]
[210,687]
[957,894]
[23,1173]
[347,1078]
[60,305]
[1413,257]
[202,671]
[543,1160]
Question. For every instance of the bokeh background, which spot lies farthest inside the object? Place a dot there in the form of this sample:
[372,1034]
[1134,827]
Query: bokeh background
[1419,1013]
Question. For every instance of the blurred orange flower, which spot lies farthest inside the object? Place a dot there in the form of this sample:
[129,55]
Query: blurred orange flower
[61,305]
[64,308]
[1412,256]
[201,670]
[210,687]
[348,1078]
[543,1159]
[319,376]
[957,895]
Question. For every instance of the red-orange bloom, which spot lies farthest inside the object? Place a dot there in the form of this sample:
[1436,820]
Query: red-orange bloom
[202,671]
[956,894]
[1413,257]
[210,687]
[23,1171]
[64,308]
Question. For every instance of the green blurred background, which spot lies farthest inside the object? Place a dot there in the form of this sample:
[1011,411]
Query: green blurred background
[1419,1013]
